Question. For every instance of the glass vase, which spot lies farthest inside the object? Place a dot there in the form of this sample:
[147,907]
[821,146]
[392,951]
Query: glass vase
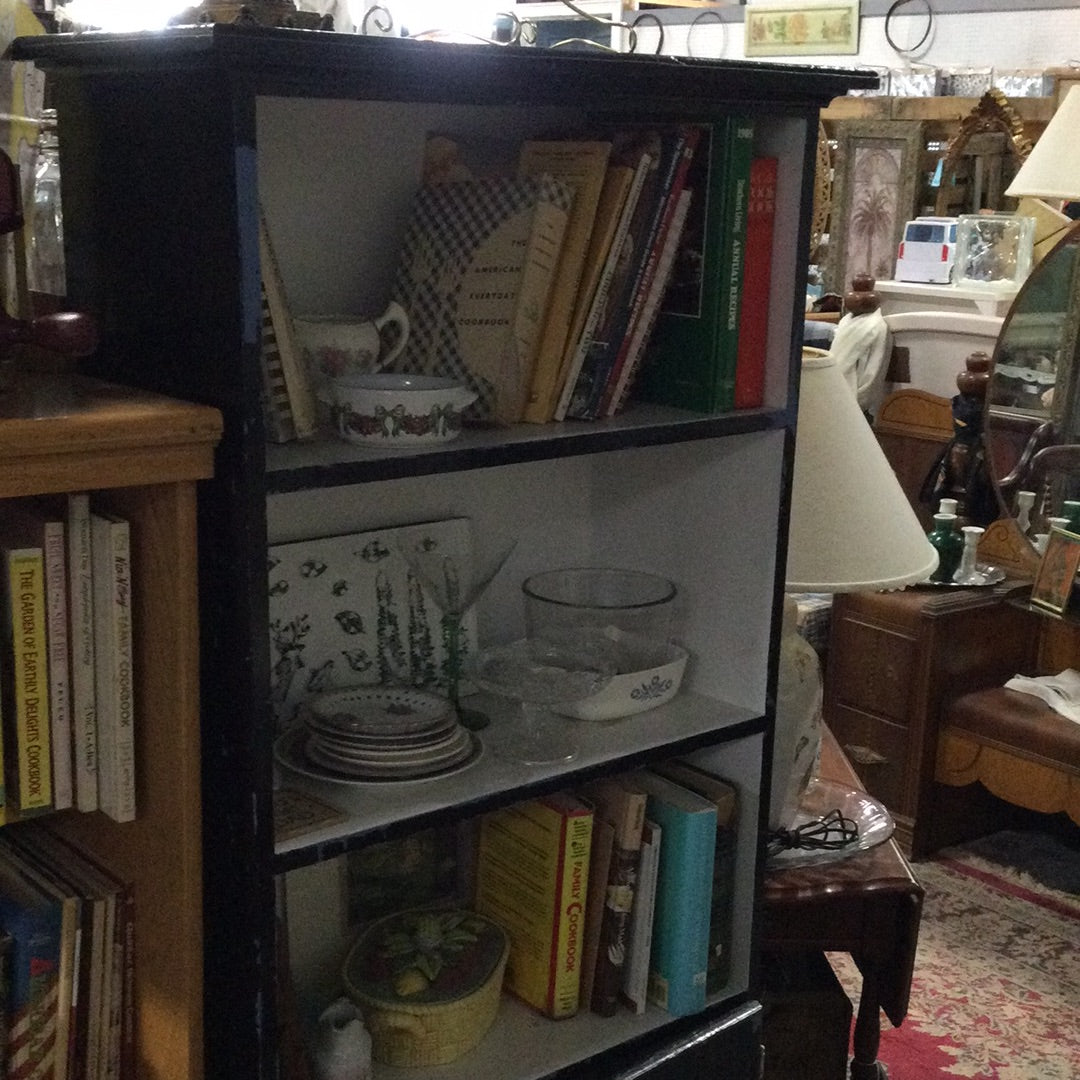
[949,545]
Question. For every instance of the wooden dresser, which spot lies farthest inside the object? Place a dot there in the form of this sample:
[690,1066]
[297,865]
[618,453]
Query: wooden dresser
[894,661]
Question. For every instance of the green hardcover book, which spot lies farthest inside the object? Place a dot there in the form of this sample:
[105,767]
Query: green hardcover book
[691,356]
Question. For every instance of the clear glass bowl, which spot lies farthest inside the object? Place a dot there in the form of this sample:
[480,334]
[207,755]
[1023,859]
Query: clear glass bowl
[566,602]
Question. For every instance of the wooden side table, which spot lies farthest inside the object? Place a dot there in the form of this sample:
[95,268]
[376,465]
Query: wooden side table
[868,905]
[895,660]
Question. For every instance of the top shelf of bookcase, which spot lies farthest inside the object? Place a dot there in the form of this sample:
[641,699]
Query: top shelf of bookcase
[315,63]
[327,461]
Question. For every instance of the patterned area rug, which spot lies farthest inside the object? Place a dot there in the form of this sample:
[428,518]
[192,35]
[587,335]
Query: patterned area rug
[996,993]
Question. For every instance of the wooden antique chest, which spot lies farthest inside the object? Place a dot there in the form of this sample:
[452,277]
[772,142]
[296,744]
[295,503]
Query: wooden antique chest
[895,660]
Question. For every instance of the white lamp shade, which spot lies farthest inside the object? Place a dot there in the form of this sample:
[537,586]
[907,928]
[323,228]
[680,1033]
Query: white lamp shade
[852,528]
[1052,169]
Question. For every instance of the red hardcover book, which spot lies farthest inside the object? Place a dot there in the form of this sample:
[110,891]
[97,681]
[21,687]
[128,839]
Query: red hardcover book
[757,268]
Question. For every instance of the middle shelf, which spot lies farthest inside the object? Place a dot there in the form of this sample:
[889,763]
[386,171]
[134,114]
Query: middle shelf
[688,722]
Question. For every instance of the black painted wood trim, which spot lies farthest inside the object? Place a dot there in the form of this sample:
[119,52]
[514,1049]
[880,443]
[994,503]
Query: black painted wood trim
[319,64]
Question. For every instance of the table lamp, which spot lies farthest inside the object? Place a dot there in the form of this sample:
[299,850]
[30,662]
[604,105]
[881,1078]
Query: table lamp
[851,529]
[1051,171]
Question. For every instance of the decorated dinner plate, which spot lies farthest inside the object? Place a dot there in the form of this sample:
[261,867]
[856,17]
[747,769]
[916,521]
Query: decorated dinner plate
[378,710]
[387,770]
[290,753]
[384,740]
[409,756]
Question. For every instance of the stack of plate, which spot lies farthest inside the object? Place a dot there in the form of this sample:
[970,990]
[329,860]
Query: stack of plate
[380,733]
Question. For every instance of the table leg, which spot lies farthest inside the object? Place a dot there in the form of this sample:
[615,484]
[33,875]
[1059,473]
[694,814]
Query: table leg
[867,1037]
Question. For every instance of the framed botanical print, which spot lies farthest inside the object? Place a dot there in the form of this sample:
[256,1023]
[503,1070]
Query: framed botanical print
[348,610]
[876,189]
[802,28]
[1056,576]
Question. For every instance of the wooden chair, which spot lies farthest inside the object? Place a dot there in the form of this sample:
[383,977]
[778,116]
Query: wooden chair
[1016,746]
[912,427]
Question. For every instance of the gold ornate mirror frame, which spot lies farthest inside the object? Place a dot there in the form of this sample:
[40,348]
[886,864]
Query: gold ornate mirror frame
[988,134]
[819,213]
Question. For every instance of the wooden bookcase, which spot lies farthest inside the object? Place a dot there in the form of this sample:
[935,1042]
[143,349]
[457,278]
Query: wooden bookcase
[63,434]
[169,144]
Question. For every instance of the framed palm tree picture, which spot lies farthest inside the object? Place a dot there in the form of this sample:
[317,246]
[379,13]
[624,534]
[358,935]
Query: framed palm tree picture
[877,181]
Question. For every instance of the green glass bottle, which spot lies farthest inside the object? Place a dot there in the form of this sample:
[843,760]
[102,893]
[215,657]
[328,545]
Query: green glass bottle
[949,545]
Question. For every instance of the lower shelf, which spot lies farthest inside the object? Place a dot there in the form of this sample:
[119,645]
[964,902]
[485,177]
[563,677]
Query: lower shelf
[523,1045]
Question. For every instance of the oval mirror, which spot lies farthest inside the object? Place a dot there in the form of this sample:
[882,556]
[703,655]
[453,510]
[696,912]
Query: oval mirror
[1032,421]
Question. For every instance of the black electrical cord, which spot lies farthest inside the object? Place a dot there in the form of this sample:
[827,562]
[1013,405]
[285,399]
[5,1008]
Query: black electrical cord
[831,833]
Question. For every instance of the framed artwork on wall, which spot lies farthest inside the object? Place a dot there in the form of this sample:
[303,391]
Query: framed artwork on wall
[802,28]
[876,188]
[1056,575]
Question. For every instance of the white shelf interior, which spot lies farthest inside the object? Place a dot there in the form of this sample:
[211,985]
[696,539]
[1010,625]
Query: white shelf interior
[704,513]
[371,805]
[352,167]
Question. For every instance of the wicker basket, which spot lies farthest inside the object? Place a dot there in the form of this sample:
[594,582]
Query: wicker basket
[436,1025]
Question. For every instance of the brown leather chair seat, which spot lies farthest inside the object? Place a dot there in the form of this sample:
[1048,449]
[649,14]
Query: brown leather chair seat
[1016,746]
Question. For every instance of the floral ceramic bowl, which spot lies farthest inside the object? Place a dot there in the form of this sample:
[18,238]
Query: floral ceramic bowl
[387,409]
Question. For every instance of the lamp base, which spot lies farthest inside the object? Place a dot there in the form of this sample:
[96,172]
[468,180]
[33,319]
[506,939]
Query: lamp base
[797,735]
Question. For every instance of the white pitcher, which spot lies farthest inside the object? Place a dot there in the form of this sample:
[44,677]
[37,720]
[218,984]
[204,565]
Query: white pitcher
[341,1046]
[336,345]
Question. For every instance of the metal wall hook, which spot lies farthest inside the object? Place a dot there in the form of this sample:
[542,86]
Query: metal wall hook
[518,32]
[371,18]
[698,20]
[648,15]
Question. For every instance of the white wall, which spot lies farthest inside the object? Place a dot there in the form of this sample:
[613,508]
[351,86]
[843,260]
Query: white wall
[1008,40]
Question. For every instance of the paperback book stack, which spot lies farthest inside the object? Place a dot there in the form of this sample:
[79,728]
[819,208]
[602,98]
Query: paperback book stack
[67,707]
[67,933]
[576,274]
[617,896]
